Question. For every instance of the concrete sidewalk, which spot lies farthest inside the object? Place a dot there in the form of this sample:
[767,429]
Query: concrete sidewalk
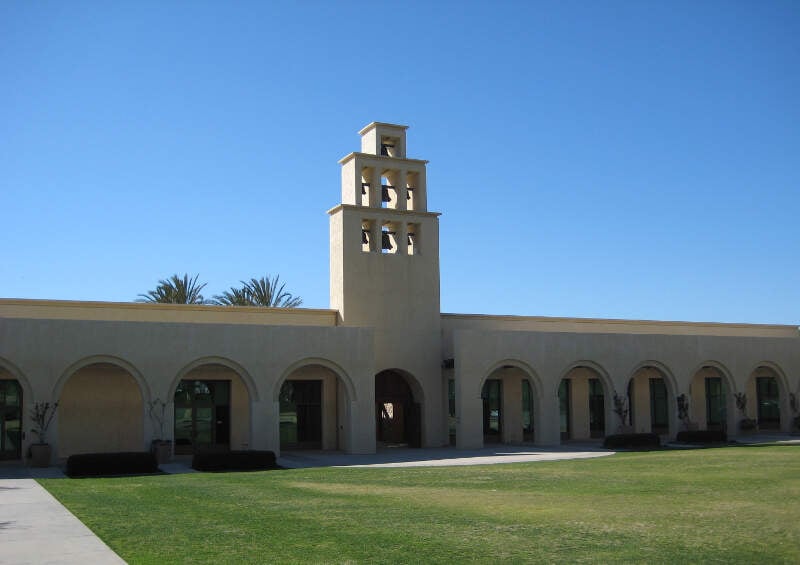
[441,456]
[35,528]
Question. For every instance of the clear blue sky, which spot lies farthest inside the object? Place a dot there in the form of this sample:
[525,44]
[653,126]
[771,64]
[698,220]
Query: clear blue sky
[593,159]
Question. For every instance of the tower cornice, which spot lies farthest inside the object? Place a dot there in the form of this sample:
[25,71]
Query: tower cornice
[383,212]
[383,158]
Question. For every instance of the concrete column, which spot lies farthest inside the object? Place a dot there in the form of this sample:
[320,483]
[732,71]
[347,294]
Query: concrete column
[546,415]
[469,411]
[579,408]
[401,237]
[360,420]
[400,183]
[264,432]
[512,409]
[375,189]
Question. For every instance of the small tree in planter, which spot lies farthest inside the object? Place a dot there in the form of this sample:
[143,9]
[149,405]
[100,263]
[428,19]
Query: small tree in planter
[42,415]
[162,448]
[683,412]
[621,410]
[745,424]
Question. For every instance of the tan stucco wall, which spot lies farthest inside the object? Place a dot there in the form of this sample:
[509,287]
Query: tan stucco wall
[100,410]
[45,352]
[548,356]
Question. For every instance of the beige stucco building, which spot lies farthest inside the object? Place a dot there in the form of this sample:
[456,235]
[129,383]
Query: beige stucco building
[383,365]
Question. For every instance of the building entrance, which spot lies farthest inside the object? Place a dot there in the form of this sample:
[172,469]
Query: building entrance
[202,416]
[10,420]
[398,418]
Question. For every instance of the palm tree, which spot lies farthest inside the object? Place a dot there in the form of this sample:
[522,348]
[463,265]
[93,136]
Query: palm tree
[233,297]
[259,292]
[175,290]
[266,292]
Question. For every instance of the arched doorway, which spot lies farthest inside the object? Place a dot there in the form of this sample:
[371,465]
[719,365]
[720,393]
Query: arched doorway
[763,393]
[10,417]
[312,405]
[649,401]
[212,410]
[508,406]
[100,410]
[582,404]
[711,394]
[398,413]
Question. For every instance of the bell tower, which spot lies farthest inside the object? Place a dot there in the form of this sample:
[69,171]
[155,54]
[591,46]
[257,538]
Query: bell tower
[384,253]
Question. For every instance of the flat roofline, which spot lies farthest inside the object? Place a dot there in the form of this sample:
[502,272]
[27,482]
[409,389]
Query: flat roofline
[512,318]
[134,312]
[160,306]
[373,125]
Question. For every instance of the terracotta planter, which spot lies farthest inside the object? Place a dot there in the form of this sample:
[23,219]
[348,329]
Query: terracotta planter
[162,450]
[40,455]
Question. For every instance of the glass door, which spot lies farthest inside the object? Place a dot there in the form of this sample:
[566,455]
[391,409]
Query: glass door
[597,414]
[563,409]
[659,415]
[10,420]
[492,410]
[715,404]
[202,416]
[769,412]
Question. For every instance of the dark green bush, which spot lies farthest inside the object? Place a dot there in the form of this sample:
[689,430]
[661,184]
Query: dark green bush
[234,461]
[110,464]
[631,441]
[702,436]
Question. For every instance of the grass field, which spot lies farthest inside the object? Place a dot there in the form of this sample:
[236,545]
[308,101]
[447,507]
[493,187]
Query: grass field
[728,505]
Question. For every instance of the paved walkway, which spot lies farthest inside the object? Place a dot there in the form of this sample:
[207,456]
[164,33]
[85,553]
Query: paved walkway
[441,456]
[35,528]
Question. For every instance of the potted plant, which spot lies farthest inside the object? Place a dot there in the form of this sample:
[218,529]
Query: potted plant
[162,448]
[42,415]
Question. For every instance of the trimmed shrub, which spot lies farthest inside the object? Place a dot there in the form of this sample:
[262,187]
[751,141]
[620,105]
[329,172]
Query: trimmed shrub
[702,436]
[631,441]
[110,464]
[234,461]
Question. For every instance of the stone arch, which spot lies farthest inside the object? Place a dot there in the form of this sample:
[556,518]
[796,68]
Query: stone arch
[754,411]
[671,385]
[510,412]
[102,406]
[215,385]
[328,364]
[582,420]
[315,412]
[699,404]
[144,388]
[247,379]
[19,376]
[406,397]
[724,371]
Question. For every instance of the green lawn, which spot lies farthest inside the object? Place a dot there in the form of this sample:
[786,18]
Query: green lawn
[728,505]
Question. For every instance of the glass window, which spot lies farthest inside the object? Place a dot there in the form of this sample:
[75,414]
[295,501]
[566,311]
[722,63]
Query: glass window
[563,408]
[659,415]
[715,403]
[492,398]
[769,411]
